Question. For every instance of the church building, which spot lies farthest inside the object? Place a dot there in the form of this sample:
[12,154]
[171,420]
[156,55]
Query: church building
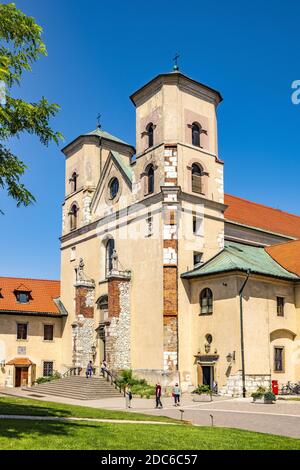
[163,273]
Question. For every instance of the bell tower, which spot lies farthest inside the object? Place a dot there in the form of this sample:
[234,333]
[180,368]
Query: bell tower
[176,136]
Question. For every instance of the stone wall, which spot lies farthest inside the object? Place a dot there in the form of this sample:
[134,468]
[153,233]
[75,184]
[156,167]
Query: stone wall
[118,333]
[83,328]
[234,386]
[83,339]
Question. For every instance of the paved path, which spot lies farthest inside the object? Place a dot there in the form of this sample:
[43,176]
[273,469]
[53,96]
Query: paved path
[282,418]
[93,420]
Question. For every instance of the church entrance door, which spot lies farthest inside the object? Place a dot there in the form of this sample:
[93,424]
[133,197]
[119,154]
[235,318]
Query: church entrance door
[206,375]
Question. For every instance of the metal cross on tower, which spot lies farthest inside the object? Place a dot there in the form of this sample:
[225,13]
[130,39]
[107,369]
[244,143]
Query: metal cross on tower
[176,66]
[98,121]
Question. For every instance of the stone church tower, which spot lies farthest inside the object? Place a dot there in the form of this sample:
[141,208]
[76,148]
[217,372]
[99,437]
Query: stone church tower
[133,224]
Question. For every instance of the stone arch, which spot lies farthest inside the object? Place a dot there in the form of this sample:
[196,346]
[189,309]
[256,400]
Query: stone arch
[282,333]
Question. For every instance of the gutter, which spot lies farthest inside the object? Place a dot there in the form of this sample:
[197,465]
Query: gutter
[242,332]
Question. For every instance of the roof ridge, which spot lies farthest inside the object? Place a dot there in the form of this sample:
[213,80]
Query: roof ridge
[281,244]
[29,279]
[263,205]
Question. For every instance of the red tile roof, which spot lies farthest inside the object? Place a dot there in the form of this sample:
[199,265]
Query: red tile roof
[20,361]
[287,255]
[260,216]
[42,293]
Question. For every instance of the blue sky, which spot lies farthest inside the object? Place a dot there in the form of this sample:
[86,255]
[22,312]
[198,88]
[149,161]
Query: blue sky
[99,52]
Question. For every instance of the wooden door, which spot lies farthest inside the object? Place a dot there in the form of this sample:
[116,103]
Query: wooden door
[21,376]
[18,377]
[24,376]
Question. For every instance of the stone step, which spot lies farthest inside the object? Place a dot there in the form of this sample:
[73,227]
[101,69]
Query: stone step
[80,388]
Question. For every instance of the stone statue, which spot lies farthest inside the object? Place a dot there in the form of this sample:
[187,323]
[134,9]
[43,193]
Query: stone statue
[80,273]
[115,260]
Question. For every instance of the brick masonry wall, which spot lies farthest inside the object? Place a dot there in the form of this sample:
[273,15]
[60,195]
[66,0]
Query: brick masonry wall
[170,290]
[84,301]
[114,297]
[170,270]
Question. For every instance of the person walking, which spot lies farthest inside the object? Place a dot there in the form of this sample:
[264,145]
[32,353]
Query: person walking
[176,395]
[103,367]
[158,396]
[128,396]
[89,370]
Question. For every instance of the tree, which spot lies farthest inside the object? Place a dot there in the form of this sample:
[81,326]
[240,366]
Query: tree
[20,46]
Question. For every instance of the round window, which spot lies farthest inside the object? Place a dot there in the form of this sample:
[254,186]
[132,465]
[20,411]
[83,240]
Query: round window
[113,188]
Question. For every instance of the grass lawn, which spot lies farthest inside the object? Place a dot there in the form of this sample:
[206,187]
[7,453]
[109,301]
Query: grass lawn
[19,435]
[26,434]
[29,407]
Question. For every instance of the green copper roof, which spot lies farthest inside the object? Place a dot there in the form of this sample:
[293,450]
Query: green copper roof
[239,257]
[106,135]
[123,164]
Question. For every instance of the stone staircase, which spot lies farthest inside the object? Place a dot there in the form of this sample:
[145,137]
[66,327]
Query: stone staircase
[78,388]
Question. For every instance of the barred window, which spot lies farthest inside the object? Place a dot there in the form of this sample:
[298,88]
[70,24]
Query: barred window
[206,302]
[280,306]
[278,359]
[47,369]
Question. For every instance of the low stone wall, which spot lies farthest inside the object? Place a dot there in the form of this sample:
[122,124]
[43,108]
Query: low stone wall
[234,386]
[166,379]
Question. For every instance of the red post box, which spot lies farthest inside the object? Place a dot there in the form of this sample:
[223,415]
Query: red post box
[275,387]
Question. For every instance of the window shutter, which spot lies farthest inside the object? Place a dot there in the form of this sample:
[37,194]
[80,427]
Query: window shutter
[196,184]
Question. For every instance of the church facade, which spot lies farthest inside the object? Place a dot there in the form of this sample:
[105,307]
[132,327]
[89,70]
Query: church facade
[163,273]
[154,256]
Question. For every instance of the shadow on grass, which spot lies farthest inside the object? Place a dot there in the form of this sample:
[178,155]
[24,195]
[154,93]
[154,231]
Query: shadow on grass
[31,408]
[28,434]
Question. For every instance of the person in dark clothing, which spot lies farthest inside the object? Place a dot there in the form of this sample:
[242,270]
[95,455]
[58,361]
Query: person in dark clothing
[89,370]
[158,396]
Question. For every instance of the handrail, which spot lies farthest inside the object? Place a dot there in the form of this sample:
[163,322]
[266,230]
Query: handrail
[75,370]
[110,377]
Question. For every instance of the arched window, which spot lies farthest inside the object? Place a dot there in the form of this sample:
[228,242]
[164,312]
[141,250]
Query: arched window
[73,181]
[150,179]
[73,216]
[197,178]
[150,132]
[113,188]
[110,246]
[206,302]
[196,131]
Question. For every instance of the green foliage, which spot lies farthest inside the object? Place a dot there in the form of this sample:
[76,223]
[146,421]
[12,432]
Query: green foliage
[41,380]
[270,396]
[20,46]
[259,393]
[138,386]
[202,389]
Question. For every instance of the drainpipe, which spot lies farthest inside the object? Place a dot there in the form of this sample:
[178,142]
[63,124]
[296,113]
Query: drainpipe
[242,331]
